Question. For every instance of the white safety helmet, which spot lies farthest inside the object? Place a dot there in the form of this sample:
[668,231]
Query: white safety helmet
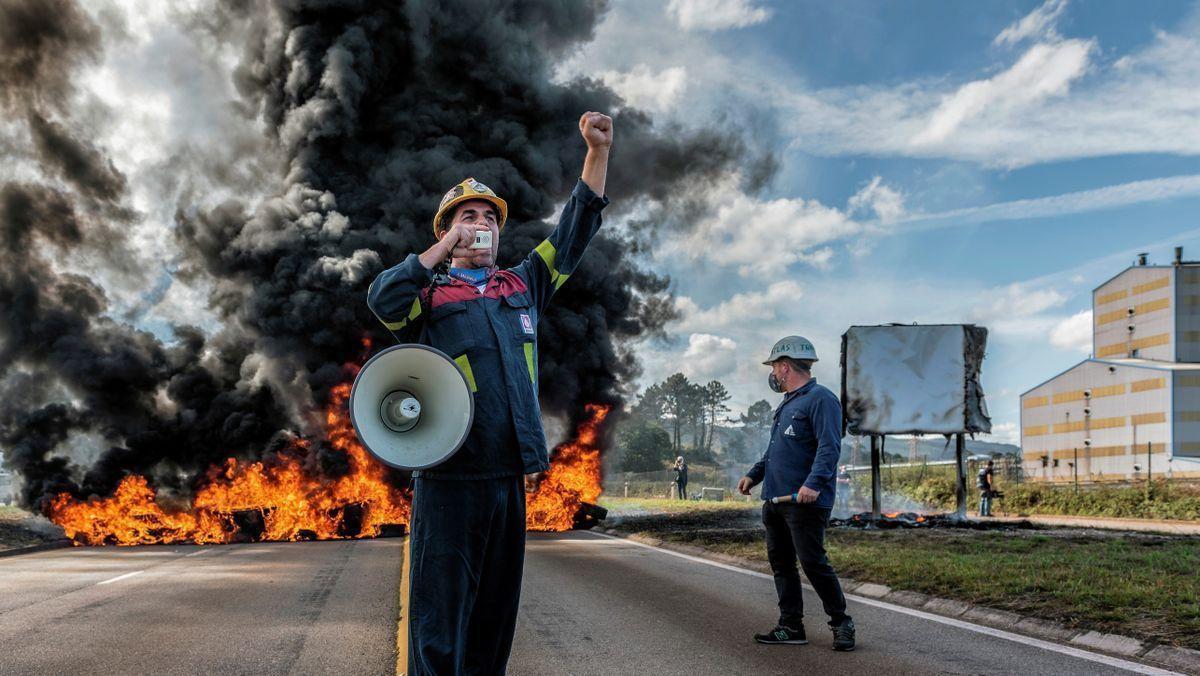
[796,347]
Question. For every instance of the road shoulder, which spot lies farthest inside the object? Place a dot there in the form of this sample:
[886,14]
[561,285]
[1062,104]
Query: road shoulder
[1170,657]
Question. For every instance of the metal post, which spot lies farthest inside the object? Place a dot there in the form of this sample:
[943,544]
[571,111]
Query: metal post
[1149,451]
[1075,467]
[960,489]
[876,488]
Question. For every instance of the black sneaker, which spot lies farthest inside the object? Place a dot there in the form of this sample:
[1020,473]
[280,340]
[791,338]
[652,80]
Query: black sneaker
[843,636]
[781,635]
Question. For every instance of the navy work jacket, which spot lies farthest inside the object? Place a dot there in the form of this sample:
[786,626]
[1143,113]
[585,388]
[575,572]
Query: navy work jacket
[492,336]
[806,442]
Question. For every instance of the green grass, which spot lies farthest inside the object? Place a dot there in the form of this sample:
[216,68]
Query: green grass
[622,506]
[1142,586]
[934,486]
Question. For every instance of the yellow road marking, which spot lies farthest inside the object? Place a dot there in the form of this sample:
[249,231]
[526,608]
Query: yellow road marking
[402,621]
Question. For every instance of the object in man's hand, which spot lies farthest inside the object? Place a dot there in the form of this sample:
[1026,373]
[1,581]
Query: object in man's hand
[794,497]
[483,239]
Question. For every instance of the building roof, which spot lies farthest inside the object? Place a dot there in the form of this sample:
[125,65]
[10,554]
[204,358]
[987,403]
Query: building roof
[1169,266]
[1152,364]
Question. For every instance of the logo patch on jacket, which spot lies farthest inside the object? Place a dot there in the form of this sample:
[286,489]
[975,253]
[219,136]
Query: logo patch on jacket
[789,431]
[527,324]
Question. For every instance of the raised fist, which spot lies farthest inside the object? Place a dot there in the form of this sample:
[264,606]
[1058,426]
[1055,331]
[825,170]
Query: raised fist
[596,129]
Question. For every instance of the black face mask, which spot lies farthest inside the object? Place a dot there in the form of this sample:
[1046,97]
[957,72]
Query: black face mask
[774,383]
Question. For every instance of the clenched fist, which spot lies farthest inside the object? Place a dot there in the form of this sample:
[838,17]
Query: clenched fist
[597,130]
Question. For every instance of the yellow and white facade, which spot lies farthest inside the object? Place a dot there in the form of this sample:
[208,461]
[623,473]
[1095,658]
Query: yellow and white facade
[1135,406]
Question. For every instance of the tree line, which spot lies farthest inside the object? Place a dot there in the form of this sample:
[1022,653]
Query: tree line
[679,417]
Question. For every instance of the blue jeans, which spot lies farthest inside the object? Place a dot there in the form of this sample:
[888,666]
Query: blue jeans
[985,503]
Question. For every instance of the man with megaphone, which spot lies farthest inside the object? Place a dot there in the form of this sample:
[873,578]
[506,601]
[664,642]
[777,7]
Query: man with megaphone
[468,525]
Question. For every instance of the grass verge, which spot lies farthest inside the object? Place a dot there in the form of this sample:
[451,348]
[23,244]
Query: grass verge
[1136,585]
[934,486]
[15,531]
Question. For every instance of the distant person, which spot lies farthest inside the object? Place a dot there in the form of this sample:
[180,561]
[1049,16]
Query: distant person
[799,466]
[843,490]
[681,478]
[986,489]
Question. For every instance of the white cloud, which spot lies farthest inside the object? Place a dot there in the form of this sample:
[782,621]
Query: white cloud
[1018,310]
[709,357]
[740,310]
[1042,109]
[1108,197]
[1004,433]
[1040,23]
[1044,70]
[1074,333]
[642,87]
[755,234]
[715,15]
[886,203]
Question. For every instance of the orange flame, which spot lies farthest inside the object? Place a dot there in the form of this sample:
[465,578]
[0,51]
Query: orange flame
[573,478]
[293,501]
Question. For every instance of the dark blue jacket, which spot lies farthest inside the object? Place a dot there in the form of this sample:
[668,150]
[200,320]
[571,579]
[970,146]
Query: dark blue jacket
[492,336]
[806,442]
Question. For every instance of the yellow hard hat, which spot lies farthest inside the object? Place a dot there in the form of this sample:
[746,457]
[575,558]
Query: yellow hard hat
[470,189]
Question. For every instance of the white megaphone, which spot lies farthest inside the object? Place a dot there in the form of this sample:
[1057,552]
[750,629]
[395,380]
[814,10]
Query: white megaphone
[411,406]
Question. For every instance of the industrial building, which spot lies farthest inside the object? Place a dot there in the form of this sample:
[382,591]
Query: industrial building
[1133,408]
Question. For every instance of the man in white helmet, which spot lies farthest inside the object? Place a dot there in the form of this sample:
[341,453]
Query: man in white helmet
[797,473]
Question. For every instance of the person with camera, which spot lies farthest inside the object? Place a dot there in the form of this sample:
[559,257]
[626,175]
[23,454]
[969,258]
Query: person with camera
[681,477]
[798,491]
[468,514]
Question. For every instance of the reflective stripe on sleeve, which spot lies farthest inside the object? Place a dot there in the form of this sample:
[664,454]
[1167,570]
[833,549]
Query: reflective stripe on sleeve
[547,252]
[412,314]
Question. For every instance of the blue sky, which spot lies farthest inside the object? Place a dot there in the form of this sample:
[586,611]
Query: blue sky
[941,162]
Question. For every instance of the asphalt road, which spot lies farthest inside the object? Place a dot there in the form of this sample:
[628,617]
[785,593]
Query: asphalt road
[597,605]
[590,605]
[279,608]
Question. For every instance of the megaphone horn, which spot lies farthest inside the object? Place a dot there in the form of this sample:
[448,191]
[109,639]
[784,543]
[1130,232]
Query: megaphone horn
[411,407]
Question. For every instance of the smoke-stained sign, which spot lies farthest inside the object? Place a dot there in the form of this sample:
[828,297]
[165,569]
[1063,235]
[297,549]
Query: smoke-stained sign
[914,379]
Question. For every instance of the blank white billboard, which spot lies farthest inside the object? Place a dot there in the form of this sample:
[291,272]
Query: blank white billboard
[910,379]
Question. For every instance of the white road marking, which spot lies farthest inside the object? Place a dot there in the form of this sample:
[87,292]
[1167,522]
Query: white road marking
[197,553]
[120,577]
[969,626]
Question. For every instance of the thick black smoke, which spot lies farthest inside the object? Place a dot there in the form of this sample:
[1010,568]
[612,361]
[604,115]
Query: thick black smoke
[376,109]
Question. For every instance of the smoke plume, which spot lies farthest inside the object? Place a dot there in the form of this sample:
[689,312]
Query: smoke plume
[373,111]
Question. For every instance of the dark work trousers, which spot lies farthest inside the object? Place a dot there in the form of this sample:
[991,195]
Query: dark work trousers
[798,532]
[468,550]
[682,490]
